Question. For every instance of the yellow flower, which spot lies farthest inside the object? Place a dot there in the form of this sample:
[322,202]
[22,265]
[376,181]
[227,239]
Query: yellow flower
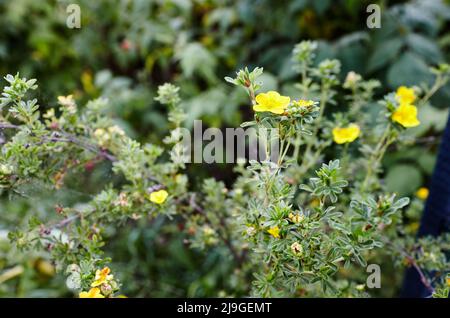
[102,136]
[271,102]
[208,231]
[116,130]
[102,276]
[296,249]
[422,193]
[274,231]
[45,267]
[405,95]
[88,84]
[296,218]
[406,115]
[250,231]
[360,287]
[303,103]
[412,227]
[448,281]
[66,100]
[315,203]
[344,135]
[351,79]
[159,196]
[92,293]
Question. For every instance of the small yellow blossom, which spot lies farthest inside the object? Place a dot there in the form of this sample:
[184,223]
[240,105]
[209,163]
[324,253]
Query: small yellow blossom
[88,84]
[274,231]
[412,227]
[448,281]
[158,197]
[250,231]
[116,130]
[422,193]
[208,231]
[360,287]
[66,100]
[405,95]
[351,79]
[296,249]
[50,113]
[122,200]
[92,293]
[296,218]
[406,115]
[344,135]
[45,267]
[6,169]
[102,276]
[271,102]
[102,136]
[314,203]
[303,103]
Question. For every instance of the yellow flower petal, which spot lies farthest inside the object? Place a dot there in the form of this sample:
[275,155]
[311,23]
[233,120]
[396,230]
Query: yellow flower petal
[405,95]
[271,102]
[297,249]
[274,231]
[346,135]
[422,193]
[260,108]
[158,197]
[92,293]
[303,103]
[262,99]
[277,111]
[102,276]
[406,115]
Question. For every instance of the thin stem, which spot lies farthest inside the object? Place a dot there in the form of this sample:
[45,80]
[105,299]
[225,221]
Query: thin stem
[69,138]
[438,83]
[425,281]
[11,273]
[8,126]
[323,101]
[376,156]
[280,162]
[68,220]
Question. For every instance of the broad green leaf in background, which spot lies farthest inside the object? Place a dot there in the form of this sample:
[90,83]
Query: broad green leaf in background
[424,47]
[195,58]
[408,70]
[384,53]
[403,179]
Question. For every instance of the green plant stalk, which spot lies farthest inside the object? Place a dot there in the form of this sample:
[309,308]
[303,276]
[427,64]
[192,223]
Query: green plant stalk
[376,156]
[323,101]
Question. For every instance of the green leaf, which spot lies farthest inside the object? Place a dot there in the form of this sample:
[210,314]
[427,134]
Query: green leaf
[408,70]
[384,53]
[425,48]
[403,179]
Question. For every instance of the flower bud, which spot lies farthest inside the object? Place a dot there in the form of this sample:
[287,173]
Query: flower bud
[297,249]
[106,289]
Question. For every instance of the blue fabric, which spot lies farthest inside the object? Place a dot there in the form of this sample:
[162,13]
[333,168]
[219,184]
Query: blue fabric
[436,216]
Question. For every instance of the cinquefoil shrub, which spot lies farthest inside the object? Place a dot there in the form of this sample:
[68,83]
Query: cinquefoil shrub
[305,225]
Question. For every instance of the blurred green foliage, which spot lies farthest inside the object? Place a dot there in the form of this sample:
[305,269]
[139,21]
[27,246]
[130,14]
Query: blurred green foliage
[125,49]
